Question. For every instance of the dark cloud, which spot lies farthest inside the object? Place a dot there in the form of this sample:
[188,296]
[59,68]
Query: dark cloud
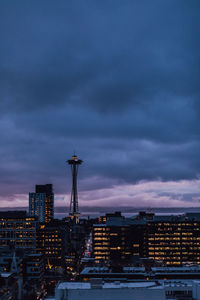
[117,82]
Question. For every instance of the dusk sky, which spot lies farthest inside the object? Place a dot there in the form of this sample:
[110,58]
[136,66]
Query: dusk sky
[118,82]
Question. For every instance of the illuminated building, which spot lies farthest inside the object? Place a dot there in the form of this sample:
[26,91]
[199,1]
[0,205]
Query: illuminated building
[6,259]
[29,265]
[117,241]
[52,241]
[175,240]
[170,240]
[33,267]
[17,230]
[41,203]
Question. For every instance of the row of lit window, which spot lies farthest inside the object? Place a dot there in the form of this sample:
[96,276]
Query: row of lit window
[101,248]
[100,233]
[102,244]
[98,252]
[173,224]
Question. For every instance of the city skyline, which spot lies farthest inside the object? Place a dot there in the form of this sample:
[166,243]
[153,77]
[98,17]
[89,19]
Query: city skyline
[118,83]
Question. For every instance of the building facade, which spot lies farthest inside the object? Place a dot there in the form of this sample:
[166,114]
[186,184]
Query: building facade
[99,290]
[52,242]
[33,268]
[17,230]
[174,240]
[41,203]
[118,241]
[167,240]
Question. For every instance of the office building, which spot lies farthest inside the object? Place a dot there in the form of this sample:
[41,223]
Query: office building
[118,241]
[33,268]
[174,240]
[17,230]
[41,203]
[167,240]
[52,241]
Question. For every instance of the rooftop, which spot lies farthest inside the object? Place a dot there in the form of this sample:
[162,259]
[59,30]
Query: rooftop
[6,275]
[100,270]
[13,214]
[110,285]
[142,220]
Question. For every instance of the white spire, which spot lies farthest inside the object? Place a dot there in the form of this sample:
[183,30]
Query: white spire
[14,264]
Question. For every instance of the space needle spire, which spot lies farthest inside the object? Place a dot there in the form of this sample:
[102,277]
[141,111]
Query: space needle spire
[74,162]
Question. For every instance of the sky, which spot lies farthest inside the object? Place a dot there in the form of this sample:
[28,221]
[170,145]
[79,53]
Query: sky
[115,81]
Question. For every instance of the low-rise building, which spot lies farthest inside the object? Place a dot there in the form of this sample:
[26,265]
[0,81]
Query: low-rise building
[8,286]
[99,290]
[141,273]
[138,290]
[33,268]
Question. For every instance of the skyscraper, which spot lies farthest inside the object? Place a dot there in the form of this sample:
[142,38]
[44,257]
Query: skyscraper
[41,203]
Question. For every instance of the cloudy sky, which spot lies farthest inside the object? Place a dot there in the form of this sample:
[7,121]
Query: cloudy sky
[115,81]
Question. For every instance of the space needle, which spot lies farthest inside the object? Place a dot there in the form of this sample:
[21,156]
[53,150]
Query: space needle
[74,162]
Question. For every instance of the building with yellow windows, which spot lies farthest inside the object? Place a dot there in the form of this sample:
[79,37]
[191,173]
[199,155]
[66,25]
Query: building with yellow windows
[117,241]
[175,240]
[52,242]
[170,240]
[17,230]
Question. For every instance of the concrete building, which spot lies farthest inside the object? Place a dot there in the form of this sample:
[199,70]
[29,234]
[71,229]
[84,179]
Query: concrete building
[41,203]
[138,290]
[99,290]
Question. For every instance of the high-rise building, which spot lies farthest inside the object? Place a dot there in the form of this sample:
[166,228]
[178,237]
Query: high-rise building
[41,203]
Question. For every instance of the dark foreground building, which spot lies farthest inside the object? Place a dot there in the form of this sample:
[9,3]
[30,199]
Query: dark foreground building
[118,240]
[170,240]
[141,273]
[52,242]
[175,240]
